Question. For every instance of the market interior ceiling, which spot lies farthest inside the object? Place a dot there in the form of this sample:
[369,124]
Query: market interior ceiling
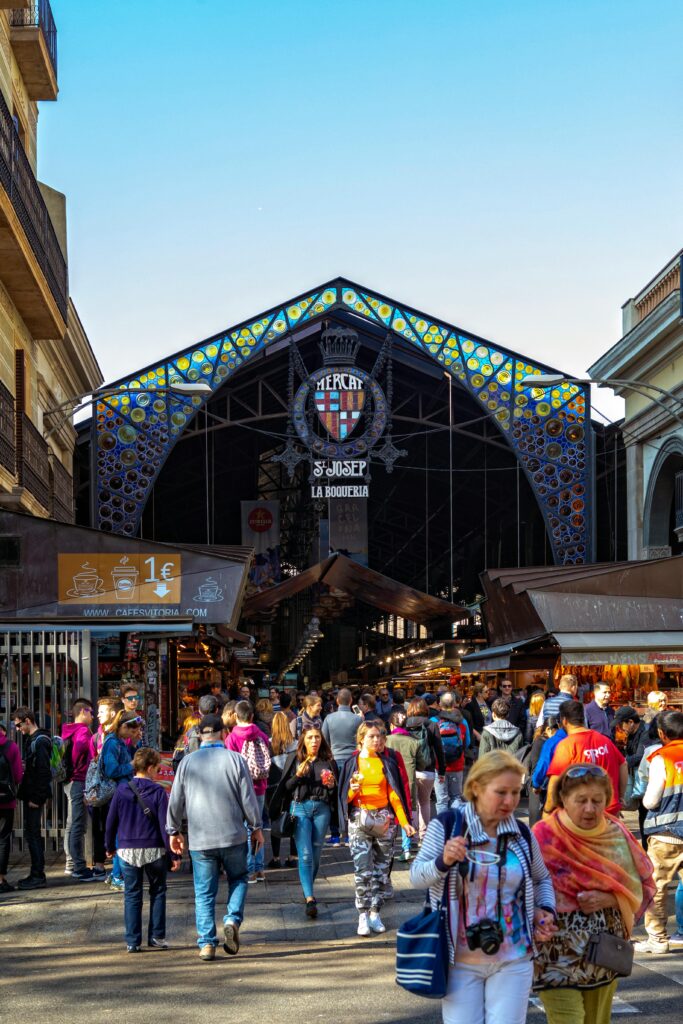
[226,455]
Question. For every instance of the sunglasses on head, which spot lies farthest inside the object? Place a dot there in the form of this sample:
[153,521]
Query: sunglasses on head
[133,723]
[577,771]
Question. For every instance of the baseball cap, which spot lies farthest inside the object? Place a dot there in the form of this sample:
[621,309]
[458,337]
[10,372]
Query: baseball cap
[626,714]
[210,723]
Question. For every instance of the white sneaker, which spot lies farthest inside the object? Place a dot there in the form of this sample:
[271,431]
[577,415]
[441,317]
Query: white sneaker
[676,939]
[363,925]
[375,922]
[651,945]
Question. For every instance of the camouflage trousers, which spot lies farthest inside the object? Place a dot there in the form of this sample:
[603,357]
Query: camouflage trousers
[372,861]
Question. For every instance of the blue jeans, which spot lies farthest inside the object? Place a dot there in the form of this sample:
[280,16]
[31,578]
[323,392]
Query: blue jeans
[679,908]
[447,791]
[205,867]
[76,824]
[312,818]
[132,901]
[255,863]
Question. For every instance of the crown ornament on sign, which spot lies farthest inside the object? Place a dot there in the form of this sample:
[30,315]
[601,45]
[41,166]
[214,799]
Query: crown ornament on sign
[339,345]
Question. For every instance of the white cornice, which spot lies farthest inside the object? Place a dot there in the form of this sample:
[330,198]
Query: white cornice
[650,334]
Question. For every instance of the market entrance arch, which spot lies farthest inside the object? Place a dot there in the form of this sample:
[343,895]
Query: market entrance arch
[548,430]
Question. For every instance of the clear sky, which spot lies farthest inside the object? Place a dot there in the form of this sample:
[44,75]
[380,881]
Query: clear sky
[511,167]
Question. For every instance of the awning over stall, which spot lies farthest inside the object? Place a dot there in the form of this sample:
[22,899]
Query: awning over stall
[341,573]
[627,613]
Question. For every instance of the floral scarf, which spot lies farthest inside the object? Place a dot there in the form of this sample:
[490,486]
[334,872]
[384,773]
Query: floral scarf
[606,858]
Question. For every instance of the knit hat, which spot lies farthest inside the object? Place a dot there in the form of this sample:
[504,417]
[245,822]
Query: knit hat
[627,714]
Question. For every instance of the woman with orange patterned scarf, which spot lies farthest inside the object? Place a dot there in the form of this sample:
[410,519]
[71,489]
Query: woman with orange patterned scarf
[603,883]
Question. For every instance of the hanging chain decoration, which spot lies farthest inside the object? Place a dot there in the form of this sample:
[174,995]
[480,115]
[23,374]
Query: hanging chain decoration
[389,453]
[292,456]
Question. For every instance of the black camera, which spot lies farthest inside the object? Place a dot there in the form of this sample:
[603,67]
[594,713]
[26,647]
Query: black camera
[486,935]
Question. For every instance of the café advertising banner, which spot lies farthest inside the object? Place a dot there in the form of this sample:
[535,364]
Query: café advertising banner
[73,572]
[261,531]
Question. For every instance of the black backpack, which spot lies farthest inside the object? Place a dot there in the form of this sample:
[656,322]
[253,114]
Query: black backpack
[8,787]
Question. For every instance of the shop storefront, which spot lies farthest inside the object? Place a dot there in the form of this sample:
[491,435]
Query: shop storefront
[83,612]
[615,623]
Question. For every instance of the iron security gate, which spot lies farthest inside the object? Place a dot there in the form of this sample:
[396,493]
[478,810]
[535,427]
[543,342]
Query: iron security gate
[45,670]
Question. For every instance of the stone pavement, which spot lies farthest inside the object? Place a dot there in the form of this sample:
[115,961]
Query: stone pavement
[63,958]
[63,953]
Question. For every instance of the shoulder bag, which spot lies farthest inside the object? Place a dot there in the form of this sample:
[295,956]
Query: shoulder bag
[422,941]
[611,951]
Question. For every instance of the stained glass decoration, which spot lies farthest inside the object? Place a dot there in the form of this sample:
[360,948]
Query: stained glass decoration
[548,428]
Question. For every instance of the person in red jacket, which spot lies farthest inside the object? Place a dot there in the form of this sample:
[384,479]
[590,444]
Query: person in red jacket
[78,735]
[585,746]
[11,772]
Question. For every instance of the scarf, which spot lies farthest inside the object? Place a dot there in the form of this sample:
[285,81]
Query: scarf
[606,858]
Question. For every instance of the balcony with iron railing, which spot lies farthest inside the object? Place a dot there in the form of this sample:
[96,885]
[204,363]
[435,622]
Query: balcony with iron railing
[61,491]
[33,467]
[33,35]
[32,268]
[7,445]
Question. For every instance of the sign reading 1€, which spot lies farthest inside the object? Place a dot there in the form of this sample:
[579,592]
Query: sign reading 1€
[139,579]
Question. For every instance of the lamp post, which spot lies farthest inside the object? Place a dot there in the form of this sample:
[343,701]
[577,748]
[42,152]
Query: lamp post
[74,404]
[550,380]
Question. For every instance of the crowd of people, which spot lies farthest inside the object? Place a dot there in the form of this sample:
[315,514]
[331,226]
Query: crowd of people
[436,780]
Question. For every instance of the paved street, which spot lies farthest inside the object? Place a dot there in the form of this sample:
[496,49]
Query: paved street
[62,950]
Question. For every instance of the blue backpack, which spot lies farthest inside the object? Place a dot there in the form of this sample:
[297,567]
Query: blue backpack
[451,740]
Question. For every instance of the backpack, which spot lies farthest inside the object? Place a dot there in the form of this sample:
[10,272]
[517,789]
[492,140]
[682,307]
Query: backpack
[8,787]
[98,789]
[451,739]
[61,759]
[256,754]
[422,736]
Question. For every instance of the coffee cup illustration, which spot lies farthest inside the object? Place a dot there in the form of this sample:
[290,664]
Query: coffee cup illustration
[86,583]
[208,592]
[125,579]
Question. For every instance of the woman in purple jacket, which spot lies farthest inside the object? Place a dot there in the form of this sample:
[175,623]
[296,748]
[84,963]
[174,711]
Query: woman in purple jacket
[11,772]
[136,825]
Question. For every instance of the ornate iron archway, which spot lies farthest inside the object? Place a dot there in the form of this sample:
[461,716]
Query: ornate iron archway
[548,430]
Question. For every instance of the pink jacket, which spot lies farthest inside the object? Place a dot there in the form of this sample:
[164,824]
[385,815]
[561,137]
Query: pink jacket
[13,755]
[236,740]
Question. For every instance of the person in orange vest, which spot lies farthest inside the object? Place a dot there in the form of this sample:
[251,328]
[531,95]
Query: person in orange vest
[664,826]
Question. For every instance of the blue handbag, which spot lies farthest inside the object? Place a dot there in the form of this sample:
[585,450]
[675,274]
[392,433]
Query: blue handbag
[422,942]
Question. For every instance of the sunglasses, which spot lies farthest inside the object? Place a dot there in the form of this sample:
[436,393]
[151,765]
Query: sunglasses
[577,771]
[133,723]
[131,696]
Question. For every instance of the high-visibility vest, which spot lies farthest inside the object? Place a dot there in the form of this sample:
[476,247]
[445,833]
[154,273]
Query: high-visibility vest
[667,817]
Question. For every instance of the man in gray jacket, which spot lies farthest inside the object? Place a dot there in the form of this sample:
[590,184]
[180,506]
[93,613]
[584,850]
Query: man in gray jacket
[214,792]
[339,729]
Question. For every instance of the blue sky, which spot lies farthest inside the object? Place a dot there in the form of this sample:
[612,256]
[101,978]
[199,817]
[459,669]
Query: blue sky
[511,167]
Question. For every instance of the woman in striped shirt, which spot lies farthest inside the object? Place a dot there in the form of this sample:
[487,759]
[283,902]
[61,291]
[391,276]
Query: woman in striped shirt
[500,897]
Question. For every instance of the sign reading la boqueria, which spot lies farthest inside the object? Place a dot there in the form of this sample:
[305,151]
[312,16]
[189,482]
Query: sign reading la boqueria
[340,413]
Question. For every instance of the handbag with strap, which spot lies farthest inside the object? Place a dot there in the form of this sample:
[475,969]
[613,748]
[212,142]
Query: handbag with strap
[375,822]
[283,826]
[146,809]
[422,941]
[611,951]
